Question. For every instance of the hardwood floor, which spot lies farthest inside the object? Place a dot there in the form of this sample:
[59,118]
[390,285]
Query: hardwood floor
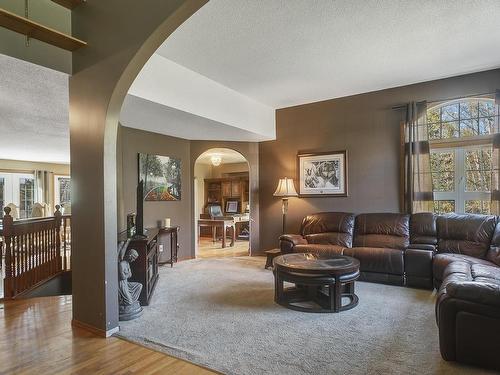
[208,249]
[36,337]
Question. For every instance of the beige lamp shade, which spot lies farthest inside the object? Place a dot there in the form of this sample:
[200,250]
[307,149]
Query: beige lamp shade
[285,188]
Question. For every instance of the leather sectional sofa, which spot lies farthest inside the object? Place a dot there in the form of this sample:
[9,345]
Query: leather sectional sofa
[458,254]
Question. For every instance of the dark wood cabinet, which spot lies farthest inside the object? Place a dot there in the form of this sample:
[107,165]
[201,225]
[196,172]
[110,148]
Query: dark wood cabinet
[220,190]
[236,188]
[226,188]
[145,267]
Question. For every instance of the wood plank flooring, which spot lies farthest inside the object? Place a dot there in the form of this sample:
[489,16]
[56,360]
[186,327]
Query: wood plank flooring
[209,249]
[36,337]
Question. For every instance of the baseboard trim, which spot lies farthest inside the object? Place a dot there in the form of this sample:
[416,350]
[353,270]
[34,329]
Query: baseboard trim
[96,331]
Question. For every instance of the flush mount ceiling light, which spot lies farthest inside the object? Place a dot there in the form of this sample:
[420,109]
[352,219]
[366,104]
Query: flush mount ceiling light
[216,160]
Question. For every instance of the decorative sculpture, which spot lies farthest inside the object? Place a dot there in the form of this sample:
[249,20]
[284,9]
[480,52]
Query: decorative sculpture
[128,291]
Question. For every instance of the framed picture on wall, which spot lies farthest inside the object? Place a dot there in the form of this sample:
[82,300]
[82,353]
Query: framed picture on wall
[161,176]
[322,174]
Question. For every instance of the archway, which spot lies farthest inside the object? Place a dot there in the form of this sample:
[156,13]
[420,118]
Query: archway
[103,73]
[221,196]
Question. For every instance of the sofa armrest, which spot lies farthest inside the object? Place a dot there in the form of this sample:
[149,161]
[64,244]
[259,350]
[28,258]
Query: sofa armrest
[473,291]
[422,246]
[289,241]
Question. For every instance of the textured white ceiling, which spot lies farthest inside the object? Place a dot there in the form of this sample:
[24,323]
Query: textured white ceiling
[289,52]
[227,155]
[34,112]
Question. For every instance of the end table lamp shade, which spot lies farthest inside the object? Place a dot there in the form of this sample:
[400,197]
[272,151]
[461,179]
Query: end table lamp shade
[284,190]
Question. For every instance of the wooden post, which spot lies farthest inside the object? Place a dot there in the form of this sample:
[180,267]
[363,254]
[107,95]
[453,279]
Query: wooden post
[8,224]
[58,222]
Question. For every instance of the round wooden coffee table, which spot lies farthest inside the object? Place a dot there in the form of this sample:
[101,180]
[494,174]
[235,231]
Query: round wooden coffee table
[320,282]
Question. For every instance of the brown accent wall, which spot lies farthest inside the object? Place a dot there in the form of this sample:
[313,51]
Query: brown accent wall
[364,125]
[134,141]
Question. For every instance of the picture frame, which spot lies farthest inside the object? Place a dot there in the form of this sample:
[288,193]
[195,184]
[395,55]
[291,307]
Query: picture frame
[232,206]
[162,176]
[322,174]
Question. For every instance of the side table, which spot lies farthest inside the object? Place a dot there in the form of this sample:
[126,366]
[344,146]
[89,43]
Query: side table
[271,254]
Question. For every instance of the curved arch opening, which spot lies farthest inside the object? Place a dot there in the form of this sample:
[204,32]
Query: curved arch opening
[221,209]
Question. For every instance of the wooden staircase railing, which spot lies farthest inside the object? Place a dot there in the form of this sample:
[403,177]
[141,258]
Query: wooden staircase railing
[35,251]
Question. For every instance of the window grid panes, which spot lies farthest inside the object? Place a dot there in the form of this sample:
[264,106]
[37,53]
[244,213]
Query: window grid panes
[460,119]
[64,190]
[26,197]
[477,207]
[443,171]
[478,170]
[444,206]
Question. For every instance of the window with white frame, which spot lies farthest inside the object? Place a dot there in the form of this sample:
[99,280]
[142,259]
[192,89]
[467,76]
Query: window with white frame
[19,189]
[62,190]
[460,134]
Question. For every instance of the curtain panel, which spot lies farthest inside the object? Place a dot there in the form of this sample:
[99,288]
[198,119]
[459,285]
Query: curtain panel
[495,161]
[42,189]
[416,179]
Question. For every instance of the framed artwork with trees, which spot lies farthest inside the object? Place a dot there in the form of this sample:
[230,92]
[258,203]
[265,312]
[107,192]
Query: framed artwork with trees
[161,176]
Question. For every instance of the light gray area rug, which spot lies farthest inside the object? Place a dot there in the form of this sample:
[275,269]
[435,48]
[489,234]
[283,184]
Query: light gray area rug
[220,313]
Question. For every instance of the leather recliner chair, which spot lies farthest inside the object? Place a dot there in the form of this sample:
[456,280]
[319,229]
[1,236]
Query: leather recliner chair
[462,237]
[468,300]
[324,233]
[380,240]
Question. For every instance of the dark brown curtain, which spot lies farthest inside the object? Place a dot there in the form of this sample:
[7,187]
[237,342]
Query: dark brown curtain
[495,161]
[416,178]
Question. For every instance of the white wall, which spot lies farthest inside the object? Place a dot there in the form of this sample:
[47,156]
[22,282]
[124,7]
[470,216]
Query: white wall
[165,82]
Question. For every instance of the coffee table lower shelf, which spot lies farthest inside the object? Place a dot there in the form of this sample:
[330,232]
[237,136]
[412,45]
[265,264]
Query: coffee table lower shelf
[315,293]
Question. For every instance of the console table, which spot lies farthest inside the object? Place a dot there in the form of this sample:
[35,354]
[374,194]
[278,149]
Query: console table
[172,234]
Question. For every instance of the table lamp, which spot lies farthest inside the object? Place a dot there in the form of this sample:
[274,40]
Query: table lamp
[284,190]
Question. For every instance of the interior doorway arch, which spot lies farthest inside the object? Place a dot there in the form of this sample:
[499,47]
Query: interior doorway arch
[222,180]
[102,74]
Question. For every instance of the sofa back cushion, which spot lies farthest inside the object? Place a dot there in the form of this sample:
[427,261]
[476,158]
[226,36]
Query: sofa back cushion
[466,234]
[334,228]
[423,228]
[493,253]
[385,230]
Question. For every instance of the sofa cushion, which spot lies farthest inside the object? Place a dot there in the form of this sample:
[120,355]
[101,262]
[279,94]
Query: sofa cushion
[384,230]
[465,234]
[319,249]
[423,228]
[463,271]
[329,227]
[485,273]
[376,259]
[441,262]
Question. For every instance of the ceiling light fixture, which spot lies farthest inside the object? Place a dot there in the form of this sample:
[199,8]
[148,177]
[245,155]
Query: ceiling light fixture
[216,160]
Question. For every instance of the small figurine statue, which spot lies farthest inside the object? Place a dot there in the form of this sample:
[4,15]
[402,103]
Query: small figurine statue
[128,291]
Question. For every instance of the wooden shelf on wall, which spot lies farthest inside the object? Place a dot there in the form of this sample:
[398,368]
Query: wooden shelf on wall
[37,31]
[70,4]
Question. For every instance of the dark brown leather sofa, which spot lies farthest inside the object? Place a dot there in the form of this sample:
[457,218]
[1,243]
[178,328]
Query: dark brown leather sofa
[377,240]
[458,254]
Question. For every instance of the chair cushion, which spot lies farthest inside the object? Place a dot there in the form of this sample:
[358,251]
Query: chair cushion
[441,262]
[376,259]
[319,249]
